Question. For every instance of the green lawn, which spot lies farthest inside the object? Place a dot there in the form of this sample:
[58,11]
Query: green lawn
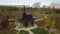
[43,14]
[39,31]
[23,32]
[40,14]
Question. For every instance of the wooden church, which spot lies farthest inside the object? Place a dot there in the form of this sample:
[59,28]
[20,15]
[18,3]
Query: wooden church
[27,19]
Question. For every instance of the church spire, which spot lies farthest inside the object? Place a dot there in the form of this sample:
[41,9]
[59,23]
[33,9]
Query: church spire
[24,10]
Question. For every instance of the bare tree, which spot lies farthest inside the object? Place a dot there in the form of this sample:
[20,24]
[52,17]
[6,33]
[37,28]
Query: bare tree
[36,5]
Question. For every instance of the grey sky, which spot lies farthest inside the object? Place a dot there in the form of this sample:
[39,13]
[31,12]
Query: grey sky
[27,2]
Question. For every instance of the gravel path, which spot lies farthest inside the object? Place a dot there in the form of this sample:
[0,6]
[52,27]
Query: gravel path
[27,29]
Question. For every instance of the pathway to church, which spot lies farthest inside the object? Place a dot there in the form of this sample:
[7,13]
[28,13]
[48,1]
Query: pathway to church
[26,29]
[29,28]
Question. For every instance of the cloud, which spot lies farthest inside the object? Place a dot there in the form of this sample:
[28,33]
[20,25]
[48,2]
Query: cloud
[27,2]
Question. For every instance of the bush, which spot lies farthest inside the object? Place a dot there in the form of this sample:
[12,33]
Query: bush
[8,31]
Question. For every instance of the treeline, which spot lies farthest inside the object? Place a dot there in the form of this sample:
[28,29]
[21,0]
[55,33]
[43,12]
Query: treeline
[57,11]
[11,10]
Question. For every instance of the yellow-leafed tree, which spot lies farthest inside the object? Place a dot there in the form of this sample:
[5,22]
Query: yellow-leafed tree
[50,22]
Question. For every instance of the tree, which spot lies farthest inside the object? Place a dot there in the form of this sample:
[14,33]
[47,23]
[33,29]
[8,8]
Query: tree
[36,5]
[13,9]
[57,10]
[50,22]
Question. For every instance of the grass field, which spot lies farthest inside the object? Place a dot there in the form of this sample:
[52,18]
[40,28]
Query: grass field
[39,31]
[40,14]
[23,32]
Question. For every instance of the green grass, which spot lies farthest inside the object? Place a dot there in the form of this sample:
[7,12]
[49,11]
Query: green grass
[39,31]
[40,23]
[40,14]
[23,32]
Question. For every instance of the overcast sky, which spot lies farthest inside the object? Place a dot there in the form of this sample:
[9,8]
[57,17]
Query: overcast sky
[27,2]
